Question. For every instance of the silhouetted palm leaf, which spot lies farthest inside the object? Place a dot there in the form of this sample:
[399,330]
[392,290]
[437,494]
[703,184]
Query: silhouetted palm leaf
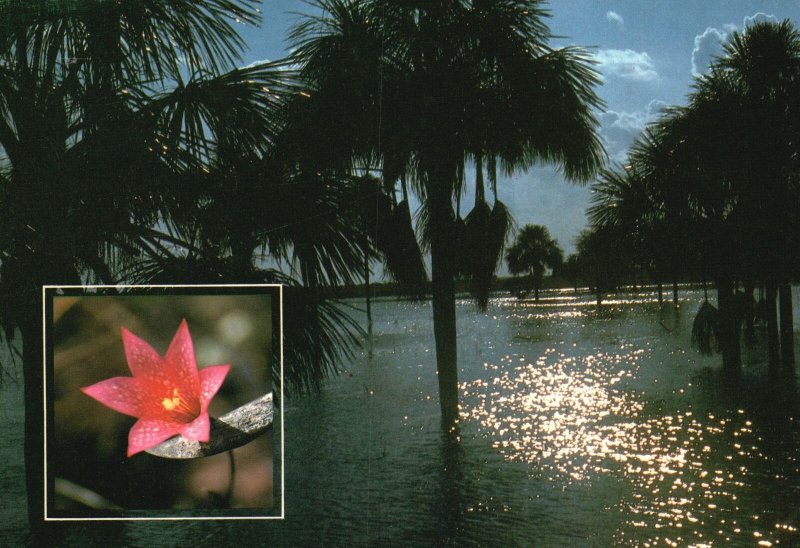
[476,250]
[401,252]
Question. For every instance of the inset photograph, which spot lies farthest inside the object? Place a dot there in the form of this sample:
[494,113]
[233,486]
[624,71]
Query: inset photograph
[160,404]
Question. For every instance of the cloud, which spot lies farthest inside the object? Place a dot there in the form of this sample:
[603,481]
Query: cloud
[759,17]
[707,46]
[618,129]
[614,17]
[256,63]
[626,63]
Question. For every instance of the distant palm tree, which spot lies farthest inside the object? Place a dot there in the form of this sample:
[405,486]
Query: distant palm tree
[533,252]
[571,270]
[603,258]
[421,86]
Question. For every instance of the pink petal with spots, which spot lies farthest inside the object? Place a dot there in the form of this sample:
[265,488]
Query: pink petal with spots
[198,429]
[180,360]
[147,433]
[143,361]
[211,379]
[127,395]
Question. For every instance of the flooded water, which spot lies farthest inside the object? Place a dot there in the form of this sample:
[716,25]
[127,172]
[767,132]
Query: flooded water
[578,427]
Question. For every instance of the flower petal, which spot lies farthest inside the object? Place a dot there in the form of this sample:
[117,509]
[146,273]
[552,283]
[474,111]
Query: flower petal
[128,395]
[211,379]
[180,361]
[198,429]
[147,433]
[143,360]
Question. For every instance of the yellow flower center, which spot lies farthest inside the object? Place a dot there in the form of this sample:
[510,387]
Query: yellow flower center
[180,407]
[171,403]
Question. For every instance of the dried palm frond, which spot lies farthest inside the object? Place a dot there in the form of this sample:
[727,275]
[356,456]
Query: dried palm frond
[705,329]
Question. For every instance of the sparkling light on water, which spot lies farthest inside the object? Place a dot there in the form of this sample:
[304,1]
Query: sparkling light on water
[577,419]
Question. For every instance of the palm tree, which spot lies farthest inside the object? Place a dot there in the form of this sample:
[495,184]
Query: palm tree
[742,126]
[533,251]
[570,269]
[623,200]
[764,62]
[603,258]
[105,109]
[423,86]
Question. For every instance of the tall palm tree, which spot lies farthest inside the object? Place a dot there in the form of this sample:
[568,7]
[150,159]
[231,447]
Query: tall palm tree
[764,61]
[742,126]
[104,108]
[424,85]
[533,251]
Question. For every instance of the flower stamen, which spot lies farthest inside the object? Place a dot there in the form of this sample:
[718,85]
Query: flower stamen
[180,408]
[171,403]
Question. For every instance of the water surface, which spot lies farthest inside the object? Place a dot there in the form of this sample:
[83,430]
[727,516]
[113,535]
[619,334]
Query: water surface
[579,426]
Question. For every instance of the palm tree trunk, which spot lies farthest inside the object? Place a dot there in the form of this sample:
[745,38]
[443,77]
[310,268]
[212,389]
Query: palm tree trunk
[728,328]
[480,194]
[366,281]
[773,343]
[660,293]
[444,305]
[787,327]
[30,329]
[675,291]
[749,327]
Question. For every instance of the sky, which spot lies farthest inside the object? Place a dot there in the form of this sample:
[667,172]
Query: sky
[647,53]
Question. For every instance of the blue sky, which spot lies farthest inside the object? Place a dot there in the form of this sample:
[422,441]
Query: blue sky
[647,52]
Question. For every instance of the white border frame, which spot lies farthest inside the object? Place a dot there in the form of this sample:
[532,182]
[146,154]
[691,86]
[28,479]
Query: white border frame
[44,400]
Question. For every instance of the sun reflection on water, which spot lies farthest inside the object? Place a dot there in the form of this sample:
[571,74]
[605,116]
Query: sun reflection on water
[577,419]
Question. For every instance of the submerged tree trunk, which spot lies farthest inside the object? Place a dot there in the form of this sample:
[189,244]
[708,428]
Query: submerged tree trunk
[366,280]
[773,344]
[787,327]
[444,308]
[535,283]
[30,329]
[729,328]
[749,313]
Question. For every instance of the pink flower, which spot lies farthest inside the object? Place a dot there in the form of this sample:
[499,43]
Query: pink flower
[169,396]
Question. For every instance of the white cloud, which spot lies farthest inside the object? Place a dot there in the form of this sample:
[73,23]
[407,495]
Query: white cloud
[759,17]
[256,63]
[618,129]
[614,17]
[707,46]
[626,63]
